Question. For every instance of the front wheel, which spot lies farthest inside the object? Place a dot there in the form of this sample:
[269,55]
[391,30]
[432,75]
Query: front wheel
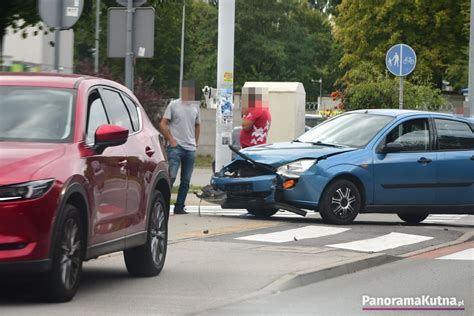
[262,212]
[413,218]
[340,203]
[68,254]
[148,260]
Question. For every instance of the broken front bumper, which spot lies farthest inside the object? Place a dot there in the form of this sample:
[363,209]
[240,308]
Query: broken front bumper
[252,192]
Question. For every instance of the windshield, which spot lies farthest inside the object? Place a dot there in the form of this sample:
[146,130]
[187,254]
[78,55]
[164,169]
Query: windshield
[36,114]
[353,130]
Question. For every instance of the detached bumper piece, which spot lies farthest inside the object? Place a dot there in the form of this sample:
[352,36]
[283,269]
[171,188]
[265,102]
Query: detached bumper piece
[263,191]
[211,195]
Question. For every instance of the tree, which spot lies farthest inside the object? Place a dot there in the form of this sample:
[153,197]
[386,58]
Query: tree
[367,87]
[274,41]
[12,12]
[435,29]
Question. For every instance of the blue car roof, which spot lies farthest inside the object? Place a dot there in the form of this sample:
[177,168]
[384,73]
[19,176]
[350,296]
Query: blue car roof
[390,112]
[396,113]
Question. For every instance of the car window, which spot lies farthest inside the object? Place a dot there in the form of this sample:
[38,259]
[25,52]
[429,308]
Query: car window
[117,110]
[31,114]
[453,135]
[414,135]
[132,109]
[96,116]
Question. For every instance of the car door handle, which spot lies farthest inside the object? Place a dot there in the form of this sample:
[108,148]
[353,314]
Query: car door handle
[149,152]
[472,157]
[424,160]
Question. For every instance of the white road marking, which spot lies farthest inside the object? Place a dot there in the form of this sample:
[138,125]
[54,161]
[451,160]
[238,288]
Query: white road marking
[467,254]
[298,234]
[445,218]
[389,241]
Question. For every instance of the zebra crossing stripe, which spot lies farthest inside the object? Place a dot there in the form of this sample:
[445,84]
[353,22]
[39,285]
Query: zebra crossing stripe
[467,254]
[298,234]
[389,241]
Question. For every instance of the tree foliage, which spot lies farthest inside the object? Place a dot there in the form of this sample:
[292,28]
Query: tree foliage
[12,12]
[370,88]
[437,30]
[274,41]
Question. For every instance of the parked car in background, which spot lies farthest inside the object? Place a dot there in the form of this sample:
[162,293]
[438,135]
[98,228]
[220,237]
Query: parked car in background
[311,120]
[82,174]
[395,161]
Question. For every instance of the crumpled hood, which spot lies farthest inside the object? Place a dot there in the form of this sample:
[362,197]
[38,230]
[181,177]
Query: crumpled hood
[19,161]
[281,153]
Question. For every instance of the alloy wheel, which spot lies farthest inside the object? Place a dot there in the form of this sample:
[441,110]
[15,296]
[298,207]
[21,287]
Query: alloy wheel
[70,258]
[342,202]
[158,233]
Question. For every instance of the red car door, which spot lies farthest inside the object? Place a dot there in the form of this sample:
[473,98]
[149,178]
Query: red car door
[107,175]
[143,154]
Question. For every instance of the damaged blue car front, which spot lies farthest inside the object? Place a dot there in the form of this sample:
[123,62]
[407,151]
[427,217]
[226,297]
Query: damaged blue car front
[360,161]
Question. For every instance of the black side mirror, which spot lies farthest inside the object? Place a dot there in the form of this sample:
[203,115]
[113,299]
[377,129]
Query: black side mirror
[392,148]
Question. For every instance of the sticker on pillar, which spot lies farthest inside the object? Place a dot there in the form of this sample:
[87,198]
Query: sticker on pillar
[225,106]
[228,77]
[226,139]
[141,51]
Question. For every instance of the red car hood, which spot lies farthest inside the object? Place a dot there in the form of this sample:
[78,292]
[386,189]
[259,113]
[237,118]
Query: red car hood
[19,161]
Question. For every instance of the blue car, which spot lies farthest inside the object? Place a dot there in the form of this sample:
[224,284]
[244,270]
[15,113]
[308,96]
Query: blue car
[381,161]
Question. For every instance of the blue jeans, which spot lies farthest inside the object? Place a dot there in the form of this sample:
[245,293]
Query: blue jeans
[178,156]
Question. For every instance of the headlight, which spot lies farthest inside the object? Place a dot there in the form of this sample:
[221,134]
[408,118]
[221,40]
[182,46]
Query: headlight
[296,168]
[25,191]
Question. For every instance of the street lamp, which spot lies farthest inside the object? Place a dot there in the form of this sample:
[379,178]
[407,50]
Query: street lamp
[320,90]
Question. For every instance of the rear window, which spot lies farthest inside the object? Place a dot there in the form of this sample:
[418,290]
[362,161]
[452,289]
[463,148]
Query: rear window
[33,114]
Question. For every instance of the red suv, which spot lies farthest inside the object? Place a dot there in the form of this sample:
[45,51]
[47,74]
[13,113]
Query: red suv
[82,174]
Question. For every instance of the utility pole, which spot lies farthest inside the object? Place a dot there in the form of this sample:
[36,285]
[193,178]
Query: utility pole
[225,83]
[97,34]
[181,66]
[129,47]
[471,64]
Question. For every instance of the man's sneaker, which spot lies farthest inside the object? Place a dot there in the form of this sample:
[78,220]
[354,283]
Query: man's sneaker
[180,212]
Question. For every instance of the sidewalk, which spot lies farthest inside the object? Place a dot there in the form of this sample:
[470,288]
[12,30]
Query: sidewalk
[200,177]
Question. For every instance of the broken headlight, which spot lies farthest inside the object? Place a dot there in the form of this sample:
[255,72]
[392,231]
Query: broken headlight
[296,168]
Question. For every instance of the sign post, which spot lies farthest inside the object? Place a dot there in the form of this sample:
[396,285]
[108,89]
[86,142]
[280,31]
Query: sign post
[400,61]
[60,15]
[132,35]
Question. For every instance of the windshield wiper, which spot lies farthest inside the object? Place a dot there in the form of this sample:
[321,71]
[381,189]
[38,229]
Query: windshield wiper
[320,143]
[296,141]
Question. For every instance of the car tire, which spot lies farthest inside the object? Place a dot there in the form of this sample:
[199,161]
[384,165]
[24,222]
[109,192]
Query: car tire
[413,218]
[68,254]
[148,260]
[340,203]
[262,212]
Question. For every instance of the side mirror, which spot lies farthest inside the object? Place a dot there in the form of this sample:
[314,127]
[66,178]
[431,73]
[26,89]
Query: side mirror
[108,136]
[392,148]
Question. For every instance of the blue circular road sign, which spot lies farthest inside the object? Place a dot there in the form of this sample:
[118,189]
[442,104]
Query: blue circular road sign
[400,60]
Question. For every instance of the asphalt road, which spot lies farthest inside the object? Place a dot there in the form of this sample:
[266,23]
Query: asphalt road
[224,257]
[350,294]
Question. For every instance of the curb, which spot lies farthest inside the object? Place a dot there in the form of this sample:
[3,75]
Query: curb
[306,277]
[313,275]
[467,236]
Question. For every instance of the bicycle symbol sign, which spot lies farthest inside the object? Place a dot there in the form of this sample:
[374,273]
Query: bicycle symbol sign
[400,60]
